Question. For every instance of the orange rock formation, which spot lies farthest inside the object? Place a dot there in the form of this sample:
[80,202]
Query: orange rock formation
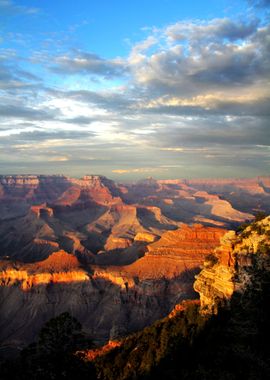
[60,267]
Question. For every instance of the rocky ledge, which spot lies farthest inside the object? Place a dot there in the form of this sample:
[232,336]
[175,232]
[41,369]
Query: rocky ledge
[234,266]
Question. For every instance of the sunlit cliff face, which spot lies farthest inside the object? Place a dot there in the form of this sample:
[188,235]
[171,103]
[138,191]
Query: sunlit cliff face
[108,300]
[234,264]
[175,252]
[60,267]
[26,281]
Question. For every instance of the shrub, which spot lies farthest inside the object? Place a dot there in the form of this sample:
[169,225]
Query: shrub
[211,259]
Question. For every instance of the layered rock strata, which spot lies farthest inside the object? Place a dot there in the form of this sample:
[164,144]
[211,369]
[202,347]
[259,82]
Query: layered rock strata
[234,265]
[109,301]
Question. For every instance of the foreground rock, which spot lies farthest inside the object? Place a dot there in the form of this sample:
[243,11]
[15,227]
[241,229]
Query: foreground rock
[235,266]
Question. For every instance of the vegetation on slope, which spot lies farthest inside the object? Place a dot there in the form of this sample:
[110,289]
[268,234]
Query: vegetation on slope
[52,356]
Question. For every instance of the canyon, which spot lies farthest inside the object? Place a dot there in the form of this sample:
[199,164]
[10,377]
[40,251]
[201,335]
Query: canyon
[94,216]
[224,334]
[110,301]
[116,256]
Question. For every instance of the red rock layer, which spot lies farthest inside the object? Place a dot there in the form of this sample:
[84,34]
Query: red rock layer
[60,267]
[177,253]
[195,239]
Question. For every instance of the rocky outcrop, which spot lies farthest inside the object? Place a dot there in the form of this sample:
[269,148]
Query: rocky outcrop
[234,265]
[19,180]
[196,239]
[42,210]
[91,355]
[176,253]
[60,267]
[145,236]
[109,301]
[26,281]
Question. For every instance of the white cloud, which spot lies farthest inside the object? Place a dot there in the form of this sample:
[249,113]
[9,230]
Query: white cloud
[197,88]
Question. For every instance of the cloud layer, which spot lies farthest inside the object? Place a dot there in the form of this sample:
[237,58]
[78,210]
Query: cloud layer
[191,99]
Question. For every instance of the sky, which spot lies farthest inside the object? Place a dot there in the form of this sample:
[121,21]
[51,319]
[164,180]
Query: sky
[132,89]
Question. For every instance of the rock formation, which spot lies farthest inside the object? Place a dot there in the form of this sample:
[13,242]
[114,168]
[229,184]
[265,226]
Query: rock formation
[109,301]
[93,215]
[234,265]
[117,257]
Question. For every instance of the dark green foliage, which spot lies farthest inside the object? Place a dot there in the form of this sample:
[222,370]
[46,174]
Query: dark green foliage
[258,228]
[242,227]
[254,225]
[245,234]
[52,357]
[264,249]
[142,352]
[211,259]
[59,335]
[260,215]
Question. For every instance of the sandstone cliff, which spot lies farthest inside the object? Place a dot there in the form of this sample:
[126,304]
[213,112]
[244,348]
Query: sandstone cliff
[235,265]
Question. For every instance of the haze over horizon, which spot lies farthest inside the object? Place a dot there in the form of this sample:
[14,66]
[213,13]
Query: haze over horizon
[128,90]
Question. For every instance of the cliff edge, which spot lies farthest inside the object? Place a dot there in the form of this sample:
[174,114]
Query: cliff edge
[235,266]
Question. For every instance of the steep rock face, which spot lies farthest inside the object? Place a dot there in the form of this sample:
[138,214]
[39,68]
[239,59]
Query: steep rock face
[221,208]
[108,306]
[60,267]
[51,188]
[42,210]
[32,187]
[234,265]
[176,253]
[109,301]
[187,239]
[29,237]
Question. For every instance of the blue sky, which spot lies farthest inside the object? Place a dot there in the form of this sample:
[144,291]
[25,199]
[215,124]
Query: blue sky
[131,89]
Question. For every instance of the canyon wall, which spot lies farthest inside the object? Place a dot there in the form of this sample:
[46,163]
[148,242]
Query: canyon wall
[109,301]
[235,265]
[117,257]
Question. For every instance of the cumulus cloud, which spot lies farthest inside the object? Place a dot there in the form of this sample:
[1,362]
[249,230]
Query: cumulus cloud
[199,57]
[88,63]
[192,95]
[215,30]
